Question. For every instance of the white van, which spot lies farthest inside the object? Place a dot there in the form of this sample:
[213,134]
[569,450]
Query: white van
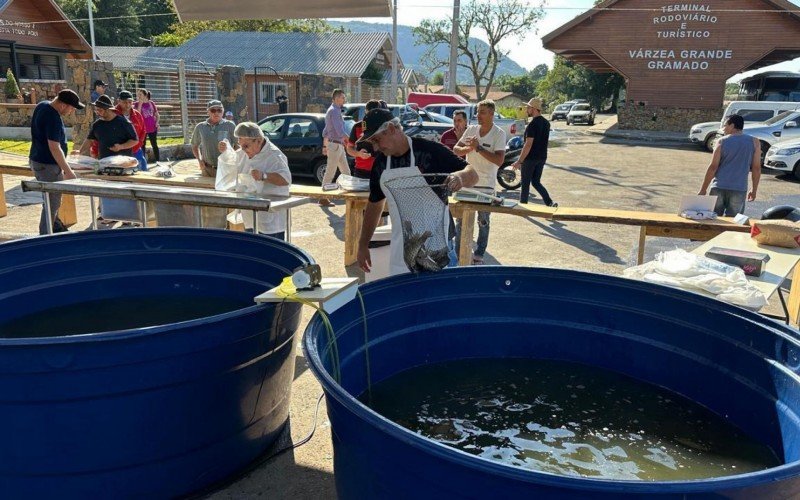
[705,134]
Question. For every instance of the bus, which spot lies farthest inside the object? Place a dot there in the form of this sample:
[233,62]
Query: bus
[771,86]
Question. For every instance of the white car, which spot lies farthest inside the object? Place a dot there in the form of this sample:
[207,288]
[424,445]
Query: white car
[581,113]
[784,156]
[704,134]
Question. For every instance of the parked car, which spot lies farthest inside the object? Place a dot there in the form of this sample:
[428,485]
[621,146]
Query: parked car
[414,123]
[780,128]
[430,116]
[299,137]
[785,156]
[705,134]
[581,113]
[511,126]
[560,111]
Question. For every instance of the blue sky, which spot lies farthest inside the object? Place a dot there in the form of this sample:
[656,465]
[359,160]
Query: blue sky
[528,52]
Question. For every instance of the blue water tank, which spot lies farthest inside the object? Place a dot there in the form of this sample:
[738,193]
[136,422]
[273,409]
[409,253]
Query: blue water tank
[736,363]
[151,412]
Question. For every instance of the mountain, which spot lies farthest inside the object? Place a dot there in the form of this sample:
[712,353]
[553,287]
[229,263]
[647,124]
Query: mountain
[412,54]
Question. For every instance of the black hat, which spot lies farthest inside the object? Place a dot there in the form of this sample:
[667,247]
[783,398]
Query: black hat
[100,82]
[103,102]
[124,95]
[374,119]
[70,98]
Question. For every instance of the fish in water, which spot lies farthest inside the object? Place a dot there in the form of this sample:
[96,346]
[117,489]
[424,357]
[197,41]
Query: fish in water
[416,256]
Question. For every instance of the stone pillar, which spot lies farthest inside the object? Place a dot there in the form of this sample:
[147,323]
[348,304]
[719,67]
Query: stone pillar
[81,74]
[231,87]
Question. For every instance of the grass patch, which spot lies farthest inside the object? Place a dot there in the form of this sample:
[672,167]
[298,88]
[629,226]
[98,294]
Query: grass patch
[22,148]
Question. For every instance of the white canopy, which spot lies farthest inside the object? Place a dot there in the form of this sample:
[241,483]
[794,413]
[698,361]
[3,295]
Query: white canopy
[207,10]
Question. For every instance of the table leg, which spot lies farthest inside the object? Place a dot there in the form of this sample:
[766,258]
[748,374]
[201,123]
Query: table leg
[642,238]
[465,242]
[67,211]
[3,209]
[353,220]
[794,298]
[288,233]
[93,205]
[47,217]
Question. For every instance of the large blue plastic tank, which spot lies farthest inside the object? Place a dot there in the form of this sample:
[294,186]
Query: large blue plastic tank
[152,412]
[736,363]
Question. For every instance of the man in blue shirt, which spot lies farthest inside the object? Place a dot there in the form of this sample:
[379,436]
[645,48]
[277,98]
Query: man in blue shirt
[49,148]
[334,137]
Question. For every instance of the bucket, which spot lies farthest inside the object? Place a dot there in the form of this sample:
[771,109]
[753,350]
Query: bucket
[151,412]
[736,363]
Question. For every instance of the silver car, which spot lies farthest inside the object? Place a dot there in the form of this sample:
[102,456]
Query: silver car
[782,127]
[581,113]
[784,156]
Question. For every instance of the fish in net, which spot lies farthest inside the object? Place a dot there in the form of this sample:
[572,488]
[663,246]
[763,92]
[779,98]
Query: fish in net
[422,206]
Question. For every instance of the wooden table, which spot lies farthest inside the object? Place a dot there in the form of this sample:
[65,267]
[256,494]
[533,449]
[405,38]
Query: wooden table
[20,167]
[650,223]
[782,262]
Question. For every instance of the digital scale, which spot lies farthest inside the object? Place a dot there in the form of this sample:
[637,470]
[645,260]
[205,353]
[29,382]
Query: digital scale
[475,196]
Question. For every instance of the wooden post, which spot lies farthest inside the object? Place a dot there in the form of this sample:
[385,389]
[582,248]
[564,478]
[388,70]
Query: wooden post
[353,220]
[184,101]
[465,242]
[3,209]
[642,238]
[67,211]
[794,298]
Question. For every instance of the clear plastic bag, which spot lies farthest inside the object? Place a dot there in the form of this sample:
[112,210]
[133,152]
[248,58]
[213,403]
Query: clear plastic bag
[681,269]
[350,183]
[226,169]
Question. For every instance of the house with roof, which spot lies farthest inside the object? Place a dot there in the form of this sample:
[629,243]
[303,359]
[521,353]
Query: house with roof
[307,67]
[501,98]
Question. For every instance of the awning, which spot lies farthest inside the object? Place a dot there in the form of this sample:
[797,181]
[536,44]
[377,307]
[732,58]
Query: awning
[207,10]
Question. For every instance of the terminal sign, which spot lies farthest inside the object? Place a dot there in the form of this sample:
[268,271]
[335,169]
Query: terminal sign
[17,28]
[682,21]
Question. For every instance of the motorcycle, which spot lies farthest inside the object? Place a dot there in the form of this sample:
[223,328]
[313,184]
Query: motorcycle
[507,175]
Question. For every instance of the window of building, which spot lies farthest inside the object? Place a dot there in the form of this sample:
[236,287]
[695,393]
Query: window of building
[158,85]
[268,91]
[191,91]
[32,66]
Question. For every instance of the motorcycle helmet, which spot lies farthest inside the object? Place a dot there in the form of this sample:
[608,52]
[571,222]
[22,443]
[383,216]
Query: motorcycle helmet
[515,142]
[786,212]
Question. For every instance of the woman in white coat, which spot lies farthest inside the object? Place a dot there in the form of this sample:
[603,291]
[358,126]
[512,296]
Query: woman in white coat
[268,168]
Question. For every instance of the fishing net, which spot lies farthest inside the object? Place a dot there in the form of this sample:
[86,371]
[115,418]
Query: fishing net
[422,205]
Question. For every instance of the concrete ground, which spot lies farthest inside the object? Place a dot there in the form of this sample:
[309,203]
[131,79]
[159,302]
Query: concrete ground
[587,169]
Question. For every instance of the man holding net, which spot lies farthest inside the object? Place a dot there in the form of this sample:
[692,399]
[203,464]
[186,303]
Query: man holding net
[414,176]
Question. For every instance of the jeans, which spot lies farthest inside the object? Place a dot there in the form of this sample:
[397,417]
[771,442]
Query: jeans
[48,173]
[729,202]
[139,155]
[153,136]
[483,234]
[532,176]
[337,159]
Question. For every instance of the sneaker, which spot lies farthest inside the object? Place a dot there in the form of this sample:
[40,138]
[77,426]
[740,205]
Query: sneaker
[325,202]
[553,204]
[477,260]
[59,227]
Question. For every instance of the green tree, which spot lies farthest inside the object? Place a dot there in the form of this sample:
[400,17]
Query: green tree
[153,21]
[568,80]
[497,20]
[123,29]
[11,87]
[523,85]
[179,33]
[438,78]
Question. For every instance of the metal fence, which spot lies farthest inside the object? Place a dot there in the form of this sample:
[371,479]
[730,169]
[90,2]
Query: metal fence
[180,88]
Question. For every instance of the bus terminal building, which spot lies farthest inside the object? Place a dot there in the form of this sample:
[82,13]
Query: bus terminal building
[676,56]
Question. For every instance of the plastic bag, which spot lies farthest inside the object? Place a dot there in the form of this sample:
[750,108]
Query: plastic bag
[350,183]
[244,183]
[82,162]
[226,169]
[119,161]
[681,269]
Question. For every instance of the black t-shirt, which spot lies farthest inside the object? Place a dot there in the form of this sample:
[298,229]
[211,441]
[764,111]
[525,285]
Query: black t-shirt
[430,157]
[46,125]
[107,133]
[539,130]
[283,104]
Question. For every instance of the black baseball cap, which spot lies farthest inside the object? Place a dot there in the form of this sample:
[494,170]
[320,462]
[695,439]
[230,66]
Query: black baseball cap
[125,95]
[70,98]
[374,119]
[100,82]
[103,102]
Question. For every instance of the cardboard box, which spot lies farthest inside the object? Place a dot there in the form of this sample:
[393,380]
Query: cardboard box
[752,263]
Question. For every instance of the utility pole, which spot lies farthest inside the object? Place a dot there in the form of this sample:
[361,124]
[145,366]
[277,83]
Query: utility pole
[393,99]
[451,81]
[91,28]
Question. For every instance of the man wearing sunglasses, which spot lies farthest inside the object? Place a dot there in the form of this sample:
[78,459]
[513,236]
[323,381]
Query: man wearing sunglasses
[207,136]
